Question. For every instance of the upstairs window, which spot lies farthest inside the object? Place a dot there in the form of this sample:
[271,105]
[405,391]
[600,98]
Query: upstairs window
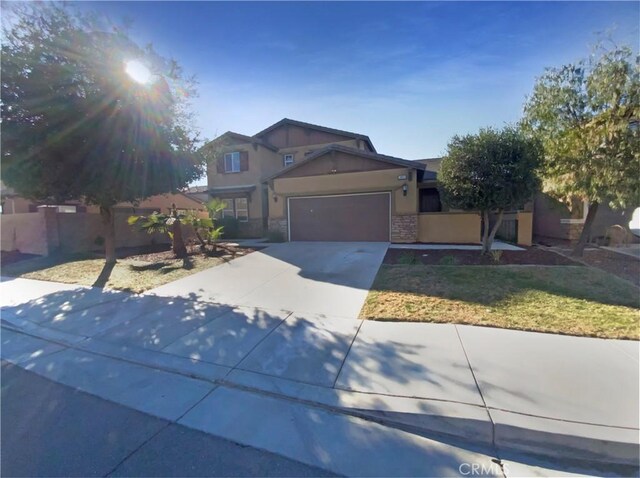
[232,162]
[287,160]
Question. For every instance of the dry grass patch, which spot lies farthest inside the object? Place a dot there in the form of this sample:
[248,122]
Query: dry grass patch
[558,299]
[129,274]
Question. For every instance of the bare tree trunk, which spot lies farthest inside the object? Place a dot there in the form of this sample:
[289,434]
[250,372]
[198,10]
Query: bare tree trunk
[487,246]
[578,250]
[178,247]
[485,230]
[109,230]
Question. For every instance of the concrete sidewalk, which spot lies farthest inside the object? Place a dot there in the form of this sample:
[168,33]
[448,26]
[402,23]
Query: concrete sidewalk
[515,391]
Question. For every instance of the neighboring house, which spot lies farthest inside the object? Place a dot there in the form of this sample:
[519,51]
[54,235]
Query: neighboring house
[311,182]
[12,203]
[183,203]
[556,220]
[199,193]
[42,229]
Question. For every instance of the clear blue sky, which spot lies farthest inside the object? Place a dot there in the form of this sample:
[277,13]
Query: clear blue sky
[410,75]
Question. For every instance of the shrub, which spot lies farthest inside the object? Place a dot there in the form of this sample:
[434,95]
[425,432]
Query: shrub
[496,256]
[275,236]
[230,227]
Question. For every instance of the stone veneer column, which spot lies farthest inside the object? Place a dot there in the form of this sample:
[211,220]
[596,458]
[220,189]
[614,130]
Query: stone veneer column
[404,228]
[280,225]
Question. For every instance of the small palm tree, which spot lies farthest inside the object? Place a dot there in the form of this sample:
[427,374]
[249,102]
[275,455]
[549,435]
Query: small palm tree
[169,224]
[205,228]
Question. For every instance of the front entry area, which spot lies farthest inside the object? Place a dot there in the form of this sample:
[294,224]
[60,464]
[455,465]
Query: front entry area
[345,217]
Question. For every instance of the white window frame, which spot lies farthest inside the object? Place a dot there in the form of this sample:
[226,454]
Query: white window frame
[287,160]
[244,210]
[232,162]
[228,211]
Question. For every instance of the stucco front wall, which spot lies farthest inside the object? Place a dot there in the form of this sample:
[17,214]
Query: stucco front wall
[347,183]
[262,162]
[449,228]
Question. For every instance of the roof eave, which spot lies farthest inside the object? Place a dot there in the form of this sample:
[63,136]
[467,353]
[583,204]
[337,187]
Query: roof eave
[365,154]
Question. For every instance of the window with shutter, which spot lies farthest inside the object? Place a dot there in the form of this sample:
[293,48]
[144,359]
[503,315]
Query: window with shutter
[232,162]
[244,161]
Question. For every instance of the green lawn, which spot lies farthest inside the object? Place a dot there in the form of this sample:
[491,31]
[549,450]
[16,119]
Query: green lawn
[128,274]
[559,299]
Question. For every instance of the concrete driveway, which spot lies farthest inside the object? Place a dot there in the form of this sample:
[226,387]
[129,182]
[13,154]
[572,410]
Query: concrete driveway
[322,278]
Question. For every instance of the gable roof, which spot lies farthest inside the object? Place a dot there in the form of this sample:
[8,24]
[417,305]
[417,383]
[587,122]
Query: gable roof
[243,139]
[301,124]
[430,174]
[428,160]
[195,189]
[353,151]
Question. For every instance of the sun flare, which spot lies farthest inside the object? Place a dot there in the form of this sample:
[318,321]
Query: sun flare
[138,72]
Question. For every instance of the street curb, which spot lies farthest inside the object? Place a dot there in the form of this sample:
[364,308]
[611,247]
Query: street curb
[473,424]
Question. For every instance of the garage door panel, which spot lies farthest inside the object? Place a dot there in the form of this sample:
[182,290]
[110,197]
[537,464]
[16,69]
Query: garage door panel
[363,217]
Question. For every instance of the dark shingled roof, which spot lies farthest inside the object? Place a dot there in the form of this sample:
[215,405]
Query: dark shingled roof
[241,138]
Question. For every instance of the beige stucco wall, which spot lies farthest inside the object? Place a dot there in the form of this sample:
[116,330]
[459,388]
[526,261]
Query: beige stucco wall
[525,228]
[262,162]
[78,232]
[47,231]
[24,232]
[453,228]
[347,183]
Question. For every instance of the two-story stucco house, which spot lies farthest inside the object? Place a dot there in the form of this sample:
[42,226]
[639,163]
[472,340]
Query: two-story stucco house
[316,183]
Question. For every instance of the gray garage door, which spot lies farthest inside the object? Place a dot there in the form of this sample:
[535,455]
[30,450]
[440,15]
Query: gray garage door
[356,217]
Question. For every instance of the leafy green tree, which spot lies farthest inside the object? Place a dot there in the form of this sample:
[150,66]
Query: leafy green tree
[586,116]
[89,115]
[491,171]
